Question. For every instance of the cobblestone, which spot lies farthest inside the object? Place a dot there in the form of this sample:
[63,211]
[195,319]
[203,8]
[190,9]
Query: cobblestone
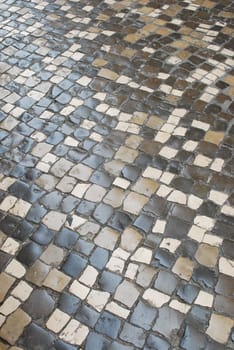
[116,175]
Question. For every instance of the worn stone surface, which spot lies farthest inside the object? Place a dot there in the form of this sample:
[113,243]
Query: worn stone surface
[116,175]
[14,326]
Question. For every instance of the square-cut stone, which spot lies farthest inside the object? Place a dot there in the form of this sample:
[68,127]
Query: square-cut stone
[145,275]
[53,255]
[43,167]
[80,190]
[164,190]
[108,74]
[41,149]
[6,282]
[81,172]
[113,112]
[74,333]
[88,124]
[22,291]
[10,246]
[57,321]
[137,138]
[134,202]
[99,62]
[95,193]
[79,290]
[177,197]
[162,137]
[152,173]
[54,220]
[56,280]
[46,181]
[89,276]
[4,67]
[6,182]
[170,244]
[122,183]
[61,167]
[168,322]
[200,125]
[98,299]
[227,210]
[168,152]
[204,299]
[155,298]
[226,266]
[167,177]
[115,264]
[107,238]
[131,271]
[196,233]
[138,117]
[115,197]
[90,228]
[142,255]
[114,167]
[154,122]
[66,184]
[212,240]
[204,222]
[102,107]
[159,226]
[126,154]
[118,310]
[218,197]
[130,239]
[127,52]
[214,137]
[202,161]
[184,268]
[16,269]
[219,328]
[84,81]
[14,326]
[127,293]
[9,306]
[20,208]
[37,273]
[8,203]
[145,186]
[207,255]
[9,123]
[194,202]
[133,141]
[181,307]
[120,253]
[217,164]
[96,137]
[169,128]
[76,221]
[133,335]
[190,146]
[70,141]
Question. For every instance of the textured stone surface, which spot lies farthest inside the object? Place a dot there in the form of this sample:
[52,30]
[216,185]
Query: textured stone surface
[116,175]
[14,326]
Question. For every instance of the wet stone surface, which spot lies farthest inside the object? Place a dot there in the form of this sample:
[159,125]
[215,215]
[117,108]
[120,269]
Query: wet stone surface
[116,175]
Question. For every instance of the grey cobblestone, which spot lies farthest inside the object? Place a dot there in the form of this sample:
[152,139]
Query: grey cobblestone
[116,175]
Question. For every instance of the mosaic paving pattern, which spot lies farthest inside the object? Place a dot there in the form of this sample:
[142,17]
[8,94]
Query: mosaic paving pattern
[116,175]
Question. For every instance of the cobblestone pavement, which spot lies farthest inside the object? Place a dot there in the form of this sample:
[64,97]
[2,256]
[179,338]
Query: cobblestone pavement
[116,175]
